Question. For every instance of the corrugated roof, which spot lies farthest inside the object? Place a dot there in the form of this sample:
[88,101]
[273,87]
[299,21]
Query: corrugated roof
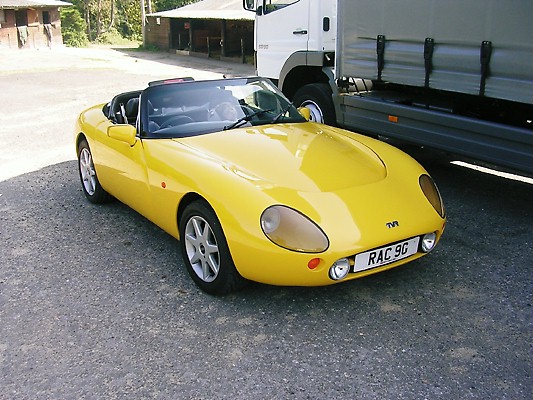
[210,9]
[32,3]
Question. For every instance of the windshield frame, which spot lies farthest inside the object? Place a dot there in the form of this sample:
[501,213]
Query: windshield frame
[191,108]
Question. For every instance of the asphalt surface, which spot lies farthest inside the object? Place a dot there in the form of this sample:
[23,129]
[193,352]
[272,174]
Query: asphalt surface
[95,302]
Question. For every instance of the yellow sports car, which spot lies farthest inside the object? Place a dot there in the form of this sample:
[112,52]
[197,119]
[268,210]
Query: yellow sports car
[252,189]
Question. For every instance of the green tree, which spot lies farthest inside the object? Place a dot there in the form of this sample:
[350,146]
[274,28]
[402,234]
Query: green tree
[163,5]
[107,21]
[73,27]
[128,20]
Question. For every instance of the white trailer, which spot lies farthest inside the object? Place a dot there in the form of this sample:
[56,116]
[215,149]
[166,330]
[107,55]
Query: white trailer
[455,75]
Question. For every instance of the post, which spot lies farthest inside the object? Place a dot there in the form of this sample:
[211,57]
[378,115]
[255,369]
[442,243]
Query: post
[223,38]
[191,36]
[143,23]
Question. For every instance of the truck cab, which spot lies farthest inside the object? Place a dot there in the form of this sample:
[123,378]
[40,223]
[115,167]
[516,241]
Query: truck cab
[294,39]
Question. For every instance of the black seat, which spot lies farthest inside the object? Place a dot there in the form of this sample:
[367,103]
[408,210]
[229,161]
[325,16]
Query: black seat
[266,100]
[132,109]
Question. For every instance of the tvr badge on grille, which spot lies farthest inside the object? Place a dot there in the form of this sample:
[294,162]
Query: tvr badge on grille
[392,224]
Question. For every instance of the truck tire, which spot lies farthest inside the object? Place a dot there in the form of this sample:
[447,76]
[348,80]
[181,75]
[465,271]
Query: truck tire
[317,97]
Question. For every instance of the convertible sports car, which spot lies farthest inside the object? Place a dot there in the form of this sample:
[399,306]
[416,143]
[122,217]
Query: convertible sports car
[252,189]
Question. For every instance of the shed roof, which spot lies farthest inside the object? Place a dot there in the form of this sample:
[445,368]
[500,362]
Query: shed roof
[11,4]
[209,9]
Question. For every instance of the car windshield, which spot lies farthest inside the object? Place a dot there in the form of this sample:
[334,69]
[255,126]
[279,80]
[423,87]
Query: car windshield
[195,108]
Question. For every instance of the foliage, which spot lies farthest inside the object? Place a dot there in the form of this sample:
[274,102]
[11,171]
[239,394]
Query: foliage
[150,47]
[73,27]
[163,5]
[109,21]
[112,36]
[128,21]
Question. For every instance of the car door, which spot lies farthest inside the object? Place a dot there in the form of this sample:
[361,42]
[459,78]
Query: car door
[122,170]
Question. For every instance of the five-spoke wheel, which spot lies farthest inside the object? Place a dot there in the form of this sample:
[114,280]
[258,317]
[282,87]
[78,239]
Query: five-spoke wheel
[89,180]
[205,250]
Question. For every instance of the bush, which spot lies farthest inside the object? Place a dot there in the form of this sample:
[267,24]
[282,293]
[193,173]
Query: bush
[73,27]
[112,36]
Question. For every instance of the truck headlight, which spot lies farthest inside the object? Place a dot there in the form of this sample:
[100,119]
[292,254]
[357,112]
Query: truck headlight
[292,230]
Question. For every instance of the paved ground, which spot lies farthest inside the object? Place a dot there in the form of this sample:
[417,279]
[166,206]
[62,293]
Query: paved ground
[43,90]
[95,302]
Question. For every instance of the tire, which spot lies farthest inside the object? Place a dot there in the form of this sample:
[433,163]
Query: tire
[206,252]
[90,185]
[317,97]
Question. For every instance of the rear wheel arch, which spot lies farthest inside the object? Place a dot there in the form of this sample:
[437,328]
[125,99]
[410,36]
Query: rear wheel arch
[90,183]
[81,137]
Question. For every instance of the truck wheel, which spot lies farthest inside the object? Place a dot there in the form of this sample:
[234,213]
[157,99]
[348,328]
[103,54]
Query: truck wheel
[317,97]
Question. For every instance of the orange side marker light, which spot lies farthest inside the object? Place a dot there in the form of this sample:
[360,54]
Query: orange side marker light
[313,263]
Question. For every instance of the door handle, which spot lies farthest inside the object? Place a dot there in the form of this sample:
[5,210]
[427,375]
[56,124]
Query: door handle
[299,32]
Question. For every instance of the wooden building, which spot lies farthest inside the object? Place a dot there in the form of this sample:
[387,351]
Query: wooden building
[209,28]
[30,23]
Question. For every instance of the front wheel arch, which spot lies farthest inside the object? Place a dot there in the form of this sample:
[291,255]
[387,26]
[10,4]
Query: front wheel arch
[205,250]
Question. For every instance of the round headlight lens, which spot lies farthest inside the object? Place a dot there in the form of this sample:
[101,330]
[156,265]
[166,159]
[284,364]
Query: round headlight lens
[270,220]
[428,242]
[432,193]
[339,269]
[292,230]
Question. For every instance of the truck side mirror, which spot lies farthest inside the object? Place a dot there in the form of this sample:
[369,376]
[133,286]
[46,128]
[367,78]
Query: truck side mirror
[248,5]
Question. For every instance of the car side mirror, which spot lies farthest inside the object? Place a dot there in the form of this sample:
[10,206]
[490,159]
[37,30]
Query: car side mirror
[305,112]
[123,133]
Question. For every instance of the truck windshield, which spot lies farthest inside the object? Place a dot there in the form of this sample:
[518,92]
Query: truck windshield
[274,5]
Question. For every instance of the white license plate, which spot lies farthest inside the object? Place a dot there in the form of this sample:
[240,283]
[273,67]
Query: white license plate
[386,255]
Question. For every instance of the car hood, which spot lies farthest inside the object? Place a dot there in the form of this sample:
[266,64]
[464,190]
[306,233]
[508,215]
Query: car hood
[305,157]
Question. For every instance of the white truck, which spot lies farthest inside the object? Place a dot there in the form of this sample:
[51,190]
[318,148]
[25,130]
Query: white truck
[455,75]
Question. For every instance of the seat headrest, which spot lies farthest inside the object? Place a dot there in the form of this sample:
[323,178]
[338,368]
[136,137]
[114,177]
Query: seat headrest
[132,107]
[266,100]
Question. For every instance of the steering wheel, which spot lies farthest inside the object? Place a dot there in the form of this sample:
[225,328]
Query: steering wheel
[177,120]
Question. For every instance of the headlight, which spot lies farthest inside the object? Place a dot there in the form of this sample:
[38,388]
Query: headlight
[292,230]
[339,269]
[432,193]
[429,241]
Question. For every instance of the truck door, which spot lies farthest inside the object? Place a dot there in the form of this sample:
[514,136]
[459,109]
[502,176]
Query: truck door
[282,28]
